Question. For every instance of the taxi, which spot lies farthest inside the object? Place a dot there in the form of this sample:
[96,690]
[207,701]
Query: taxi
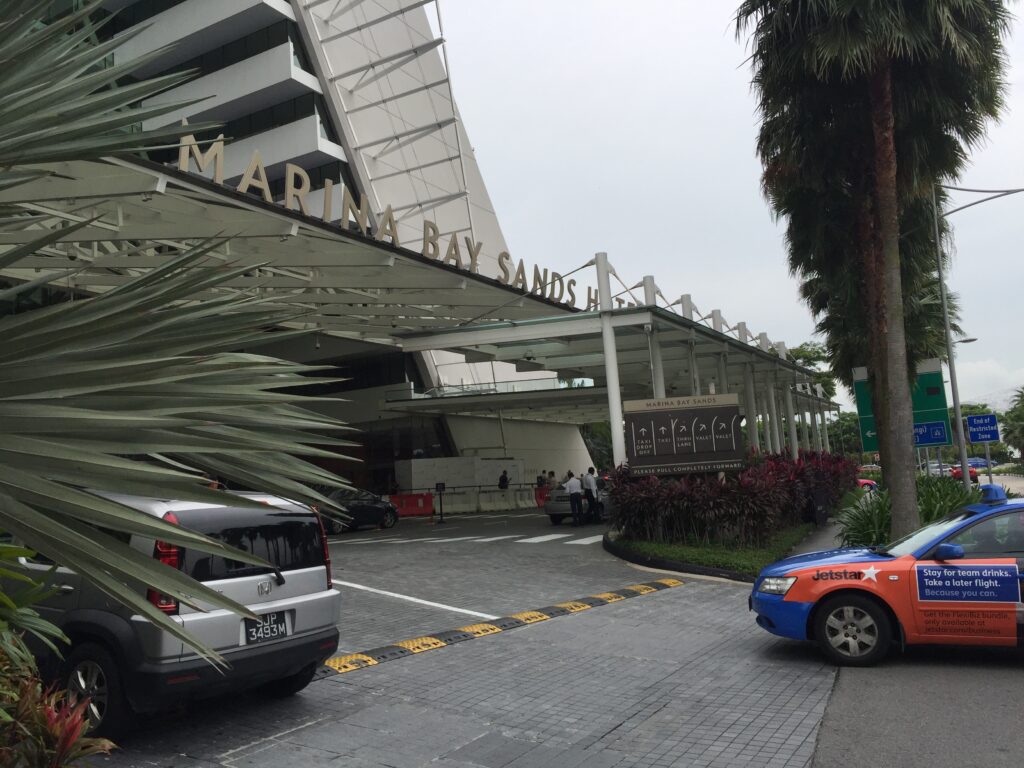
[956,581]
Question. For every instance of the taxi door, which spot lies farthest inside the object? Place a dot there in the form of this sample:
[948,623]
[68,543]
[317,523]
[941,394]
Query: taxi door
[974,599]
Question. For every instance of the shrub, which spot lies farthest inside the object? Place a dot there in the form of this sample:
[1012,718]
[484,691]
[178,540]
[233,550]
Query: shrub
[43,728]
[742,509]
[866,522]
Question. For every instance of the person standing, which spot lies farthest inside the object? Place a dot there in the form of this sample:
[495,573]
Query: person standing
[575,489]
[590,493]
[503,481]
[552,482]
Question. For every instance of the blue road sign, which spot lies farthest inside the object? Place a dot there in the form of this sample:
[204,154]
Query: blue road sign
[930,433]
[983,429]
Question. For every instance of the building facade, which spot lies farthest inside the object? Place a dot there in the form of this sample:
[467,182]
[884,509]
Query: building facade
[346,99]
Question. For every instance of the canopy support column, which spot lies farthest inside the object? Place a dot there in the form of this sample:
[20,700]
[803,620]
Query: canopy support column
[794,442]
[611,360]
[657,367]
[773,414]
[750,406]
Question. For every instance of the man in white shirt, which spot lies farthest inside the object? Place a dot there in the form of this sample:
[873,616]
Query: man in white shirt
[590,493]
[575,489]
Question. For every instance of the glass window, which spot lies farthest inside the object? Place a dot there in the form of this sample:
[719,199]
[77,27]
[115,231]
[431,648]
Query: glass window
[928,533]
[1002,535]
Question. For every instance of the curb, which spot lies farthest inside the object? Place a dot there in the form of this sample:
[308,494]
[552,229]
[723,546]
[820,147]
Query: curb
[621,552]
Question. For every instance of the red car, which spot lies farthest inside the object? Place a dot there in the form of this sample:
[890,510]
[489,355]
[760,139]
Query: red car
[957,473]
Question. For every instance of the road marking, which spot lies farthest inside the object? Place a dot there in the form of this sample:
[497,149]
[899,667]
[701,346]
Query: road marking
[588,540]
[494,625]
[368,541]
[499,538]
[457,538]
[549,537]
[412,599]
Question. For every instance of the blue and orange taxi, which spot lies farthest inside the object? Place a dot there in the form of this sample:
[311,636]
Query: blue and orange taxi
[956,581]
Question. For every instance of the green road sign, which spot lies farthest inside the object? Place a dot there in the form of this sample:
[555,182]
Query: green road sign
[931,414]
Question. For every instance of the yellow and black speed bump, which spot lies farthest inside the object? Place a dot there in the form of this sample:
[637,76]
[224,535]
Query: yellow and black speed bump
[353,661]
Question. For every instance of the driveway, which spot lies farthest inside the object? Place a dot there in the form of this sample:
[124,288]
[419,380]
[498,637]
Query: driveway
[680,676]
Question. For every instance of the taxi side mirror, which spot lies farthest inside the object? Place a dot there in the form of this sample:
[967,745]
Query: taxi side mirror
[949,552]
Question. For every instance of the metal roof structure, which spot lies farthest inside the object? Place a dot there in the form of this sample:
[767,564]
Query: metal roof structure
[356,286]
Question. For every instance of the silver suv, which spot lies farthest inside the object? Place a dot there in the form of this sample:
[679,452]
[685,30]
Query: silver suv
[128,666]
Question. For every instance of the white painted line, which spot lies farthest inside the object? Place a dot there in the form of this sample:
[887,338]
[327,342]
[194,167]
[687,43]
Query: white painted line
[379,540]
[457,538]
[588,540]
[549,537]
[413,599]
[498,538]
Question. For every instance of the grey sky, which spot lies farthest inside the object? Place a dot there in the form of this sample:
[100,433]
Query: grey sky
[630,128]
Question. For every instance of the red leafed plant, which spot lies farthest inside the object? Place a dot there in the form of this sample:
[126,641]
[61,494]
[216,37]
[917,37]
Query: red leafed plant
[40,727]
[741,509]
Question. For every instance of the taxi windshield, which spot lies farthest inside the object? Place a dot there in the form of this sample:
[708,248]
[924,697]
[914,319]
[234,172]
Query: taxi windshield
[930,532]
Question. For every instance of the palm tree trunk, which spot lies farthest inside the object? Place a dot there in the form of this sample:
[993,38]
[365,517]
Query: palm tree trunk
[899,426]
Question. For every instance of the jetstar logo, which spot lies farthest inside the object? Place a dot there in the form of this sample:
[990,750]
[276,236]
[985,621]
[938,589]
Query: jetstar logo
[837,575]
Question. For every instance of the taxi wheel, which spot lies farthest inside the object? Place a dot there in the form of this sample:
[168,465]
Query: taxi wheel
[853,631]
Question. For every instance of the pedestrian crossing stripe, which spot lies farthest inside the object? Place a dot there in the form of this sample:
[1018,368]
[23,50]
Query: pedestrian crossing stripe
[353,661]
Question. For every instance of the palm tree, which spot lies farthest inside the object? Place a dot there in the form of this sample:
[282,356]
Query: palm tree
[88,386]
[1013,423]
[865,107]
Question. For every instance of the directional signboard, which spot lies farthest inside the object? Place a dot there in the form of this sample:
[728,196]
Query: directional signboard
[676,435]
[931,433]
[931,413]
[983,428]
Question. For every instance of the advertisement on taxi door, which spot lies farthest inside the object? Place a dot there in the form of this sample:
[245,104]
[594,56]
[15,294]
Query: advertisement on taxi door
[951,599]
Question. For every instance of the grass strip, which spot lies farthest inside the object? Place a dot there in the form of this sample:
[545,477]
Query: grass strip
[745,561]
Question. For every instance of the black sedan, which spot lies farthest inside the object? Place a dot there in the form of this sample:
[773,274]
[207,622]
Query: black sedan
[364,508]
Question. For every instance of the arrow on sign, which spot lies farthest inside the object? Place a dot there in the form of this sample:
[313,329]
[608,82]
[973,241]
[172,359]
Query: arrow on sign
[703,427]
[662,430]
[869,433]
[643,430]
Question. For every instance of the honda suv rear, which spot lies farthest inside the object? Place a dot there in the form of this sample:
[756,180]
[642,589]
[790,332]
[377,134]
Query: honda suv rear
[126,665]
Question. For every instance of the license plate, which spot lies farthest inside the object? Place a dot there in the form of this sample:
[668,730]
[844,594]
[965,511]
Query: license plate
[269,627]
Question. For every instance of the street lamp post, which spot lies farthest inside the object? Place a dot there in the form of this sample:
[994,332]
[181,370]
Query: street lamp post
[993,194]
[961,440]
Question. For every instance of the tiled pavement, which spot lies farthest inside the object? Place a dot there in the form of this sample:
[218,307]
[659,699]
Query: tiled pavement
[660,680]
[681,677]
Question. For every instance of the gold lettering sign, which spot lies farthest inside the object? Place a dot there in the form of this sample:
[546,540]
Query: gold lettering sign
[298,187]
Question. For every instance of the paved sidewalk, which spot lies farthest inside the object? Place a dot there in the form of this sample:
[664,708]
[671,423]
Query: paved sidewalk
[681,677]
[820,539]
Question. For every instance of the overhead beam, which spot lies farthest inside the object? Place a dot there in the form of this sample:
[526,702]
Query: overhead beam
[578,325]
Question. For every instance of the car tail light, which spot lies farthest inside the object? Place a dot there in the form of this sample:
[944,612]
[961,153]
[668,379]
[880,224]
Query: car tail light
[327,551]
[168,554]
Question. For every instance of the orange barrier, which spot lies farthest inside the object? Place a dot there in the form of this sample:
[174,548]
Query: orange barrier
[413,504]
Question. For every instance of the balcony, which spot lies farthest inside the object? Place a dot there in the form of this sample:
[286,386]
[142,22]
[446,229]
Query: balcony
[300,142]
[267,78]
[197,26]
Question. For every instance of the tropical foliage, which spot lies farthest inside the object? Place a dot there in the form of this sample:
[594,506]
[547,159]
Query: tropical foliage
[1013,424]
[865,108]
[867,519]
[741,510]
[138,390]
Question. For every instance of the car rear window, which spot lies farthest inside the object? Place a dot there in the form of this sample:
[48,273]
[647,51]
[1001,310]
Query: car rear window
[290,539]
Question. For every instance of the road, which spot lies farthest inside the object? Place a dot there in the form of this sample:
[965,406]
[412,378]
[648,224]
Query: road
[1014,483]
[677,677]
[680,676]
